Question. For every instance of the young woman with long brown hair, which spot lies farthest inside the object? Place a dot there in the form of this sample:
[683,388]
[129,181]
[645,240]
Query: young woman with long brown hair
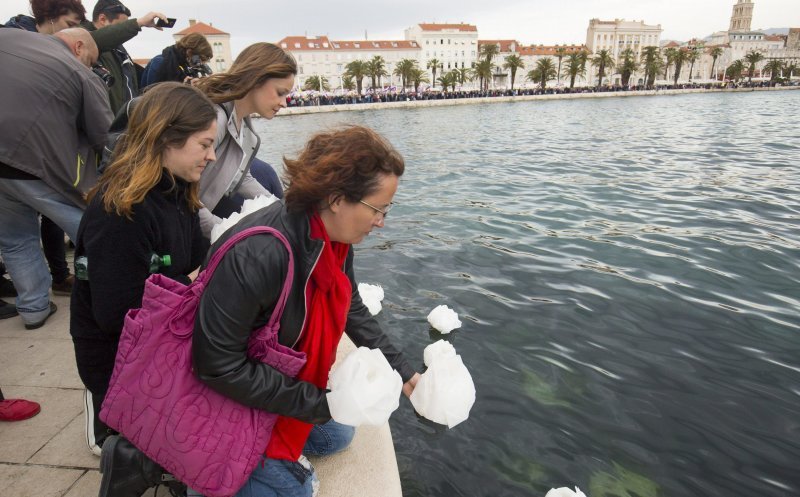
[142,218]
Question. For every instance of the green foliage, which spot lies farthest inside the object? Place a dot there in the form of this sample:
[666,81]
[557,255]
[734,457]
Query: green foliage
[357,70]
[512,63]
[489,51]
[544,71]
[376,69]
[348,83]
[575,66]
[318,83]
[622,483]
[627,65]
[602,60]
[403,68]
[752,58]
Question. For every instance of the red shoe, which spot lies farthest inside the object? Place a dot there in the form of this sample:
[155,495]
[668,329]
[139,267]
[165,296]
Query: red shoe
[18,409]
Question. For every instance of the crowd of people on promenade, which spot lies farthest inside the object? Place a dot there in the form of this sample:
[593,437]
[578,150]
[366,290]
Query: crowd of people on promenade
[392,94]
[137,167]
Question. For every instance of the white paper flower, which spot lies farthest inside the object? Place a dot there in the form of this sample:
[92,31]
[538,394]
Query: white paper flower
[444,319]
[249,206]
[364,389]
[437,350]
[565,492]
[445,392]
[371,295]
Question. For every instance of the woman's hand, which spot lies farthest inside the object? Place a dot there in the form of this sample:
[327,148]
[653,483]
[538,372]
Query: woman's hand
[193,275]
[408,386]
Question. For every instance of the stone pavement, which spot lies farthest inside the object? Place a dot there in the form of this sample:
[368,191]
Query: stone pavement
[46,456]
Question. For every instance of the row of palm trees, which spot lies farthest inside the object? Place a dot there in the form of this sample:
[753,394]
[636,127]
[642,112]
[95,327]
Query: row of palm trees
[571,65]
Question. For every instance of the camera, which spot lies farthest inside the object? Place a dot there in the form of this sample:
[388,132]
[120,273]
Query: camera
[197,68]
[103,74]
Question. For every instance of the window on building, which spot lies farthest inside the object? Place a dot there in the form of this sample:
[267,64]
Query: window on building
[448,41]
[441,41]
[296,45]
[283,45]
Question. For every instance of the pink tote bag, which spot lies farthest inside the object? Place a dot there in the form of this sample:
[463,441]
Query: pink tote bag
[208,441]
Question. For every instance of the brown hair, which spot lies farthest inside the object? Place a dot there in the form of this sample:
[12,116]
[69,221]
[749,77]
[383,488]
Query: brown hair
[44,10]
[198,44]
[165,116]
[346,162]
[252,68]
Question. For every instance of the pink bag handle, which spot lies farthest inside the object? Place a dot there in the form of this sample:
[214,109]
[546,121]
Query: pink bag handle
[256,230]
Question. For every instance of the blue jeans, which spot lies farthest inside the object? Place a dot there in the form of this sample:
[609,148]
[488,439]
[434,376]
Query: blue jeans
[279,478]
[21,201]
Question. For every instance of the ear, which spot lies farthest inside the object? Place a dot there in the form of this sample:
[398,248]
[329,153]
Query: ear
[335,202]
[102,21]
[77,48]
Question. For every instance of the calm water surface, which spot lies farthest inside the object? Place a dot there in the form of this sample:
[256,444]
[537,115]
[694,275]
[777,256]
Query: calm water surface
[628,275]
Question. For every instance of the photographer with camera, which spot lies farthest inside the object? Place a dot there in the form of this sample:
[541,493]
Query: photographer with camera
[184,62]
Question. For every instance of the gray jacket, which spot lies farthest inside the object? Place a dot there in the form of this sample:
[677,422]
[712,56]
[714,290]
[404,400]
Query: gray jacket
[230,173]
[54,113]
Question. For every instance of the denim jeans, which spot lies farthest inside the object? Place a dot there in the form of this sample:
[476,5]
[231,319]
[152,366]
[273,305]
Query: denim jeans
[21,201]
[279,478]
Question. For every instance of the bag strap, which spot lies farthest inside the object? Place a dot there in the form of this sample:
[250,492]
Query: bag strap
[256,230]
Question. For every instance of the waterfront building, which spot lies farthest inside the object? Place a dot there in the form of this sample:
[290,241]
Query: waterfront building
[619,34]
[219,40]
[453,45]
[502,77]
[532,54]
[320,56]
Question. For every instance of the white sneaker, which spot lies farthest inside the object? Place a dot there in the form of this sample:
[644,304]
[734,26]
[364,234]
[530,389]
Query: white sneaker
[88,415]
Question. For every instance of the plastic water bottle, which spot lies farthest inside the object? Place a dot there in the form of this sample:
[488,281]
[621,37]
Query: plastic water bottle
[159,261]
[82,268]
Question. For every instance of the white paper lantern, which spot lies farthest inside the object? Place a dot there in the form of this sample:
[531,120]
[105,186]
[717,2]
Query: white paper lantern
[445,392]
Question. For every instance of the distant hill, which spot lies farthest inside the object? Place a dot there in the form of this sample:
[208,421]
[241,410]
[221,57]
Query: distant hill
[775,31]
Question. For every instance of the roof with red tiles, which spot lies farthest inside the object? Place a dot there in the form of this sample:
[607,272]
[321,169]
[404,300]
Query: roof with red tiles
[202,28]
[323,43]
[443,27]
[505,45]
[550,50]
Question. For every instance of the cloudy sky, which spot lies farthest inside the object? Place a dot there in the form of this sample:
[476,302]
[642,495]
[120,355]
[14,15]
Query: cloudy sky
[531,21]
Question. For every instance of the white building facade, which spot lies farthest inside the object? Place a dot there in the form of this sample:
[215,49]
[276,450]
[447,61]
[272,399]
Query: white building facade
[453,45]
[619,34]
[320,56]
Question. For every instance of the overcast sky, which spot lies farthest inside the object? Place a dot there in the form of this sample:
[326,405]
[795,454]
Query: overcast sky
[533,21]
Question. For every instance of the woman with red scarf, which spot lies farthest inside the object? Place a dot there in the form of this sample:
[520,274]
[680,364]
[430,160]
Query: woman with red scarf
[340,188]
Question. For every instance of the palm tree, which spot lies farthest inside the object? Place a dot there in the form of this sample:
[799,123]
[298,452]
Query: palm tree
[602,60]
[560,53]
[735,70]
[653,63]
[679,58]
[403,69]
[752,57]
[464,75]
[448,79]
[318,83]
[357,70]
[715,54]
[692,55]
[575,66]
[418,76]
[376,69]
[512,63]
[483,71]
[791,69]
[434,65]
[348,83]
[669,58]
[774,68]
[488,51]
[544,71]
[628,65]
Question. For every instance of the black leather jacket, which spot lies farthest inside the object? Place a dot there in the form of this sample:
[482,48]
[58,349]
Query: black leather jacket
[240,297]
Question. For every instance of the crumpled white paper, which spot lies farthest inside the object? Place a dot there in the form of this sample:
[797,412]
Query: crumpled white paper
[444,319]
[249,206]
[445,392]
[371,295]
[437,350]
[565,492]
[365,390]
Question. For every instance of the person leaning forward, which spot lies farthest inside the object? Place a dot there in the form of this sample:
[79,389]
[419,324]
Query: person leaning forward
[54,117]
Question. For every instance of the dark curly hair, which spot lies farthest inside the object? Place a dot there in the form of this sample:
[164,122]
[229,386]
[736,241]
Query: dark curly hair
[346,162]
[44,10]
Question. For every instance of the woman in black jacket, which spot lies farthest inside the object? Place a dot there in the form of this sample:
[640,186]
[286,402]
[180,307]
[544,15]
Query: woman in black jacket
[142,218]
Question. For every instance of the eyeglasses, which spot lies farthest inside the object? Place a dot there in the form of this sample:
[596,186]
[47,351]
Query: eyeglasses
[118,8]
[384,211]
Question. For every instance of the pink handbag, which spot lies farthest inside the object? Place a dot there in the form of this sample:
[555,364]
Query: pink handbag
[208,441]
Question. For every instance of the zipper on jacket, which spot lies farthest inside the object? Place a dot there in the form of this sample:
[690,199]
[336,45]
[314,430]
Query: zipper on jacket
[305,300]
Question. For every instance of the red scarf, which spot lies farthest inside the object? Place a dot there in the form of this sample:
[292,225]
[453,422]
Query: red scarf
[329,293]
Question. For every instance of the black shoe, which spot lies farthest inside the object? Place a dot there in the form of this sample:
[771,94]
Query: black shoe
[7,310]
[39,324]
[7,288]
[127,472]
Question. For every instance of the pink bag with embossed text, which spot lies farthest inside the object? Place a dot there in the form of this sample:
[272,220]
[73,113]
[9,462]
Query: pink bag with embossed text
[208,441]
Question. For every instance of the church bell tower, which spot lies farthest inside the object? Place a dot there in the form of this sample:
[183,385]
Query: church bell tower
[742,16]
